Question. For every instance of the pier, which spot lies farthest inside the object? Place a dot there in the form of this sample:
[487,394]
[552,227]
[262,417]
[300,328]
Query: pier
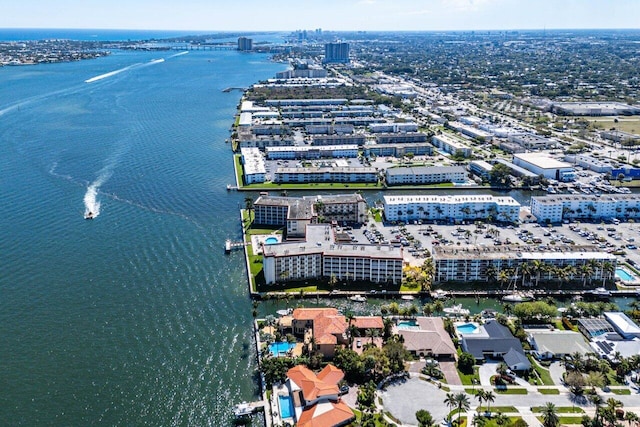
[230,245]
[244,408]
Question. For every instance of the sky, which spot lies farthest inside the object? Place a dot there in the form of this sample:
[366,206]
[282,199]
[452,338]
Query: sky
[331,15]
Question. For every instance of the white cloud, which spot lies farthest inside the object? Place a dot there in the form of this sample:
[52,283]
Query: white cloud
[466,5]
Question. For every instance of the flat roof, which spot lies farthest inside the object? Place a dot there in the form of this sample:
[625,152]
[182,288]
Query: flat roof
[477,198]
[328,170]
[586,198]
[622,323]
[559,342]
[313,148]
[425,170]
[525,253]
[542,160]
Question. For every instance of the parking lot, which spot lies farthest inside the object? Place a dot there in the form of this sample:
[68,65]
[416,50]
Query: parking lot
[419,238]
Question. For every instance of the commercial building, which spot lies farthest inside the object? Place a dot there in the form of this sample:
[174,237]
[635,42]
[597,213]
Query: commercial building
[253,165]
[478,263]
[531,141]
[450,144]
[425,175]
[450,208]
[621,338]
[620,136]
[594,109]
[307,152]
[336,53]
[326,174]
[470,131]
[297,212]
[592,163]
[245,44]
[319,256]
[518,171]
[554,209]
[542,164]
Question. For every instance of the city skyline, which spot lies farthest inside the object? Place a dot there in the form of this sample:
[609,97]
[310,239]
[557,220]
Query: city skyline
[331,15]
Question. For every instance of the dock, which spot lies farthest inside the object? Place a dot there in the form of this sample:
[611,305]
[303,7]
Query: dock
[230,245]
[244,408]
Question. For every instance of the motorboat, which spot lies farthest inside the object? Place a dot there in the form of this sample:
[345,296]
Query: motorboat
[439,294]
[600,293]
[89,215]
[242,409]
[407,297]
[456,310]
[358,298]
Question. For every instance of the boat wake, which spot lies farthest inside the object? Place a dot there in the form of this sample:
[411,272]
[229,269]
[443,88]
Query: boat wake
[179,54]
[122,70]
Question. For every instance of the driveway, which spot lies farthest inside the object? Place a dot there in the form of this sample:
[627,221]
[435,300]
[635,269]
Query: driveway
[404,399]
[556,370]
[486,371]
[450,373]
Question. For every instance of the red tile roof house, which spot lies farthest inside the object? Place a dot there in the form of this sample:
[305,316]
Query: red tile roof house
[316,398]
[329,327]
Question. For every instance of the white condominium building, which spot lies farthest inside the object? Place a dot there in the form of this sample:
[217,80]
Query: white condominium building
[254,168]
[326,174]
[483,263]
[425,175]
[321,257]
[554,209]
[452,208]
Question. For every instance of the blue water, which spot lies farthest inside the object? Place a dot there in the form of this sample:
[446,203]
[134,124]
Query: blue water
[286,407]
[467,328]
[408,324]
[271,240]
[280,348]
[624,275]
[136,317]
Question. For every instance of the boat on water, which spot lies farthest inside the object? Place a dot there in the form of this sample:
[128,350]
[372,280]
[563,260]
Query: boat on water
[600,293]
[242,409]
[407,297]
[439,294]
[456,310]
[358,298]
[518,296]
[89,215]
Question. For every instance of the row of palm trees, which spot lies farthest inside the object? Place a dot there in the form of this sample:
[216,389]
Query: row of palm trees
[537,269]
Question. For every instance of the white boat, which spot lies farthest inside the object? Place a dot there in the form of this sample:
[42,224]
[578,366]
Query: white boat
[456,310]
[242,409]
[358,298]
[89,215]
[601,293]
[518,296]
[407,297]
[439,294]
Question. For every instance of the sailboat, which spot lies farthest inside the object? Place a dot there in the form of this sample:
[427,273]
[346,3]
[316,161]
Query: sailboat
[514,295]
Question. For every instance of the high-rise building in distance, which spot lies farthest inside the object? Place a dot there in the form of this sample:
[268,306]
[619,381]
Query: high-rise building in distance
[336,53]
[245,43]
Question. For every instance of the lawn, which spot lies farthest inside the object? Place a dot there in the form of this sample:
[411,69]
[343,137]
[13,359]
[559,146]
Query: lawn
[514,390]
[495,409]
[492,422]
[566,420]
[467,379]
[237,159]
[542,373]
[549,391]
[625,124]
[621,391]
[560,409]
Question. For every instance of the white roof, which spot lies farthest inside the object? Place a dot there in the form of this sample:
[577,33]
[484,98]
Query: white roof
[542,160]
[622,323]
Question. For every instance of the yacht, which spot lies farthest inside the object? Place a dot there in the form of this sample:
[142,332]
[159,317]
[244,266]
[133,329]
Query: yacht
[407,297]
[456,310]
[439,294]
[242,409]
[518,296]
[358,298]
[600,293]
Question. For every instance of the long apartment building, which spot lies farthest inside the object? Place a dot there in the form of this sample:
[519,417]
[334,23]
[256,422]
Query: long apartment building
[296,213]
[451,208]
[307,152]
[451,144]
[320,256]
[425,175]
[326,174]
[253,163]
[474,262]
[575,206]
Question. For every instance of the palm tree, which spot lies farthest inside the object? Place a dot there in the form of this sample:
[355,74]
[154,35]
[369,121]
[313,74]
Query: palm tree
[549,417]
[480,396]
[504,276]
[491,273]
[586,271]
[489,397]
[501,419]
[425,419]
[462,402]
[631,417]
[248,205]
[597,401]
[525,268]
[537,267]
[607,271]
[450,401]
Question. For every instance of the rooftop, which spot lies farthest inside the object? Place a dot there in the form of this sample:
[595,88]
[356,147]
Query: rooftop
[542,160]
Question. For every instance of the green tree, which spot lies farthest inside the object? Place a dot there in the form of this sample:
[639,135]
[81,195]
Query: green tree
[425,419]
[549,415]
[462,403]
[466,362]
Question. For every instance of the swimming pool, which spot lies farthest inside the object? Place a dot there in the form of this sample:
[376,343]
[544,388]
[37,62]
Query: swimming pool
[467,328]
[280,348]
[271,240]
[286,406]
[624,275]
[408,324]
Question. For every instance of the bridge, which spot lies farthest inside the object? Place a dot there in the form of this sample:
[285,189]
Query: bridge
[190,46]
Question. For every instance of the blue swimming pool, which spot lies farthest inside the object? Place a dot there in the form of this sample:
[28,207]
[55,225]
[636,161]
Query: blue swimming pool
[408,324]
[280,348]
[467,328]
[624,275]
[271,240]
[286,406]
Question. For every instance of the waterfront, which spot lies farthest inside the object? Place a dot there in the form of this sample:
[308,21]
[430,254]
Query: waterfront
[136,317]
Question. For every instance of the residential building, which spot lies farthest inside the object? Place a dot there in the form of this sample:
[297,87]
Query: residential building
[623,340]
[336,53]
[555,208]
[316,152]
[398,150]
[392,127]
[425,175]
[474,263]
[406,137]
[428,339]
[451,208]
[319,256]
[326,174]
[481,168]
[493,340]
[470,131]
[542,164]
[316,398]
[452,145]
[556,344]
[245,44]
[327,327]
[339,140]
[253,165]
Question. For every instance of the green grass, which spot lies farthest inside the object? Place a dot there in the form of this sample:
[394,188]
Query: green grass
[312,186]
[495,409]
[491,422]
[543,374]
[237,160]
[621,391]
[560,409]
[512,391]
[549,391]
[566,420]
[467,378]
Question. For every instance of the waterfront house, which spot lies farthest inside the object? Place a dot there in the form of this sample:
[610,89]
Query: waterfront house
[495,341]
[325,325]
[428,338]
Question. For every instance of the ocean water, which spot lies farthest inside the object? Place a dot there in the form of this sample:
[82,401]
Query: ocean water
[136,317]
